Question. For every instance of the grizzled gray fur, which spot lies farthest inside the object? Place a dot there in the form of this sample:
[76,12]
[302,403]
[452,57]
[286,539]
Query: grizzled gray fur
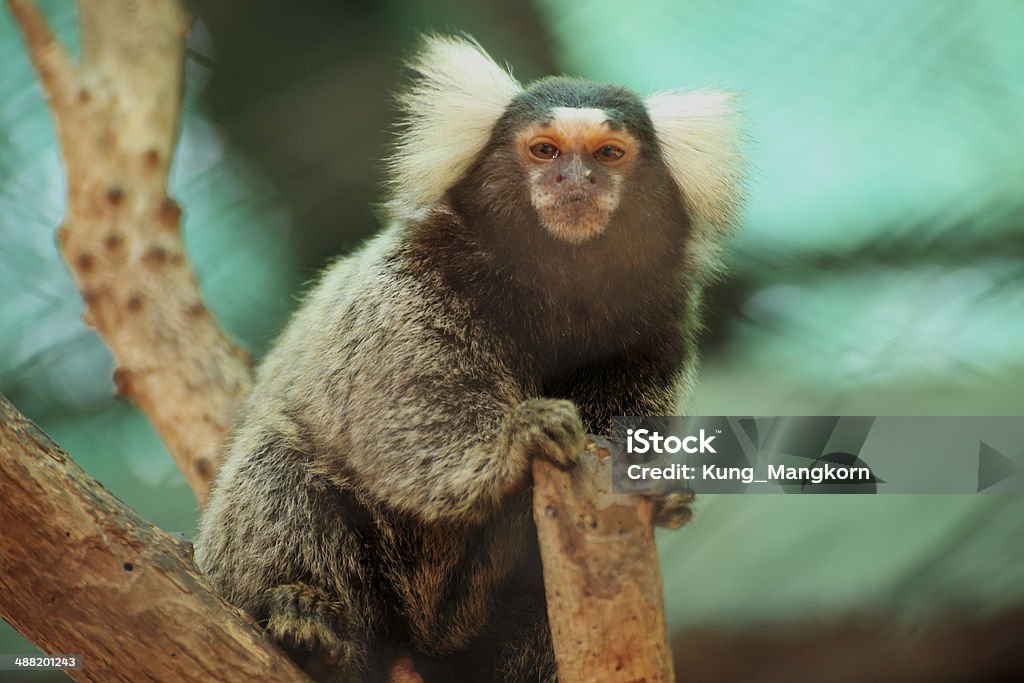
[541,273]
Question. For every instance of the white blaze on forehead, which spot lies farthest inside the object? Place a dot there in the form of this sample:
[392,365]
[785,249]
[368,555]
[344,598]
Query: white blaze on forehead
[589,115]
[574,122]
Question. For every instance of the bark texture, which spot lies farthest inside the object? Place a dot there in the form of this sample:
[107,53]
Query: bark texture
[601,575]
[81,573]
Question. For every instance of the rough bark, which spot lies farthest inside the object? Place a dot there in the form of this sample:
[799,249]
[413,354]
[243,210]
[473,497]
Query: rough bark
[81,573]
[601,575]
[116,116]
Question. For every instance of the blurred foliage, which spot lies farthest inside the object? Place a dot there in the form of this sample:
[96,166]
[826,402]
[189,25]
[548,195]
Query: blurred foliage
[883,242]
[306,94]
[880,268]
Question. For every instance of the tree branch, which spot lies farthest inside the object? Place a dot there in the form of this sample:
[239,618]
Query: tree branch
[600,573]
[137,608]
[116,117]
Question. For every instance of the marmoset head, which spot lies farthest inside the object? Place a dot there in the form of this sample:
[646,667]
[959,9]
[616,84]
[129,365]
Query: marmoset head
[572,152]
[574,144]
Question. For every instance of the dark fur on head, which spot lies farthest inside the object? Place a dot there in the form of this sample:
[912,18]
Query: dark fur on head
[374,501]
[576,305]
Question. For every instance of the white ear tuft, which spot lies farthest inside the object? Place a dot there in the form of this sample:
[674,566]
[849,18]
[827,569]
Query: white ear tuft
[449,113]
[699,137]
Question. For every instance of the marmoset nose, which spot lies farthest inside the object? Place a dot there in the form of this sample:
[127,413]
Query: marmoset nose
[575,172]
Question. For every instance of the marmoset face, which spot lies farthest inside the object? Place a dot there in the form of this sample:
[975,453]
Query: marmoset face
[576,162]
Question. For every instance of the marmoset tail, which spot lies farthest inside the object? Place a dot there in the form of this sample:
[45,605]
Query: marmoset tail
[541,273]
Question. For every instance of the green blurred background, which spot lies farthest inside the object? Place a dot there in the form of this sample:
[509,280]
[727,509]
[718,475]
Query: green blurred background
[880,271]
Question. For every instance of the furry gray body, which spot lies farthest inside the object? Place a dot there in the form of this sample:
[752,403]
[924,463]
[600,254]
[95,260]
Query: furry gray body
[379,443]
[375,500]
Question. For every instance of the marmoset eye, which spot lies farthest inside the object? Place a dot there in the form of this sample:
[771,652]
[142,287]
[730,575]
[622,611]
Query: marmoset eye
[609,153]
[544,150]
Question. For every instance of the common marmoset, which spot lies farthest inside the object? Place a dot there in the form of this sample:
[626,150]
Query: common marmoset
[541,273]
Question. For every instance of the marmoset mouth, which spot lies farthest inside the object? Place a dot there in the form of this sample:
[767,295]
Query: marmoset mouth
[575,221]
[574,198]
[580,211]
